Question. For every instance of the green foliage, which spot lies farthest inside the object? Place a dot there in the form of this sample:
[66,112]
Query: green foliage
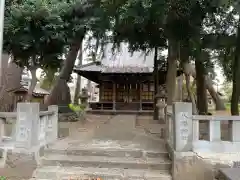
[228,106]
[77,108]
[36,32]
[33,34]
[138,22]
[3,178]
[227,89]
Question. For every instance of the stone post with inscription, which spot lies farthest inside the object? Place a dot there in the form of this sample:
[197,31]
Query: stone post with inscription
[182,126]
[26,135]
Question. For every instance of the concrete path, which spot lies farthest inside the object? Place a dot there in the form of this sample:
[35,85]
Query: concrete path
[117,131]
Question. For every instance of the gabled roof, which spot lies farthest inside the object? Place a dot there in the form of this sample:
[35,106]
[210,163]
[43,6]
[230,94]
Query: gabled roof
[98,67]
[93,66]
[36,92]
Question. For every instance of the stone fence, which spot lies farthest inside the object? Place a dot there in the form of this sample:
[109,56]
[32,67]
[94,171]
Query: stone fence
[33,128]
[183,131]
[190,152]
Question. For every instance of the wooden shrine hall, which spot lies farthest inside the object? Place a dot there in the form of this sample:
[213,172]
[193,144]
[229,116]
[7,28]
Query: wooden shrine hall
[122,88]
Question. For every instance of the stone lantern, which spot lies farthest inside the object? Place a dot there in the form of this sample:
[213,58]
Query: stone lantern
[84,97]
[161,104]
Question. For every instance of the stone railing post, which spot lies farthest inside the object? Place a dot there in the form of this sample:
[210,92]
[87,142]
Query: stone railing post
[27,129]
[182,126]
[53,122]
[2,129]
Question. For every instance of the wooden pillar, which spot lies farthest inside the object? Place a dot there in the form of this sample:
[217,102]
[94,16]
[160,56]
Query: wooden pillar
[140,96]
[100,91]
[114,96]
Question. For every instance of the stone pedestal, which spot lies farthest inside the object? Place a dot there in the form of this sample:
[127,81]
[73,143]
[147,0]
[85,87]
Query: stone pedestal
[182,126]
[27,125]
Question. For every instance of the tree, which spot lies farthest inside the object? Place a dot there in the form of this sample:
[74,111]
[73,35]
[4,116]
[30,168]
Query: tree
[31,38]
[227,90]
[79,18]
[48,78]
[236,75]
[146,25]
[214,20]
[139,23]
[78,83]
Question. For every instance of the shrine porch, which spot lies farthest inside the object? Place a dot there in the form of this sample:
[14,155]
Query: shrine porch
[118,112]
[122,106]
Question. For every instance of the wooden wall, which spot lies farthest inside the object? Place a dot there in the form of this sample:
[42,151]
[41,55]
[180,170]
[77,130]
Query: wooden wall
[126,92]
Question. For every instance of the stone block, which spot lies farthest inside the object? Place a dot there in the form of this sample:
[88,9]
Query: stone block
[189,166]
[63,132]
[68,117]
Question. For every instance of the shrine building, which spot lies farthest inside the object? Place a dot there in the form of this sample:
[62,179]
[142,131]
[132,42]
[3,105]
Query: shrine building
[122,87]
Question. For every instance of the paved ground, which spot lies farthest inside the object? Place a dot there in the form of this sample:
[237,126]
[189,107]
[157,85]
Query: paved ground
[114,131]
[98,130]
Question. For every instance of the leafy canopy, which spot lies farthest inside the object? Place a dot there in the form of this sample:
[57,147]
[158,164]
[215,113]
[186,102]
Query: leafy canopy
[37,32]
[33,34]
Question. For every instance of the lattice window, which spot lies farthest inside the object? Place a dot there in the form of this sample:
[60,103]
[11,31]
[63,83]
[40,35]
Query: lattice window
[107,94]
[147,96]
[147,92]
[145,87]
[120,92]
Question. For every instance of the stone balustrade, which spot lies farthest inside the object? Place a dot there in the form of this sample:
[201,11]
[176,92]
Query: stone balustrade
[183,130]
[30,127]
[190,152]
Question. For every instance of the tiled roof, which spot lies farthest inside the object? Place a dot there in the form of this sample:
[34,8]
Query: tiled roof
[94,66]
[126,69]
[37,91]
[97,67]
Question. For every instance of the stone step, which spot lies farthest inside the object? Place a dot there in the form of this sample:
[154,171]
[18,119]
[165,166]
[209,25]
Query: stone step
[76,173]
[156,129]
[108,152]
[107,162]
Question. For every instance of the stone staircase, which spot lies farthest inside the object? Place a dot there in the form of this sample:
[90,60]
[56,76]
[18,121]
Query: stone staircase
[84,162]
[118,149]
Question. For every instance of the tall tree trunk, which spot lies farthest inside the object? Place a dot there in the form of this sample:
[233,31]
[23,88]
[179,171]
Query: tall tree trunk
[78,83]
[49,79]
[94,58]
[172,71]
[11,77]
[156,82]
[60,94]
[179,89]
[202,102]
[215,96]
[190,94]
[32,84]
[236,75]
[189,69]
